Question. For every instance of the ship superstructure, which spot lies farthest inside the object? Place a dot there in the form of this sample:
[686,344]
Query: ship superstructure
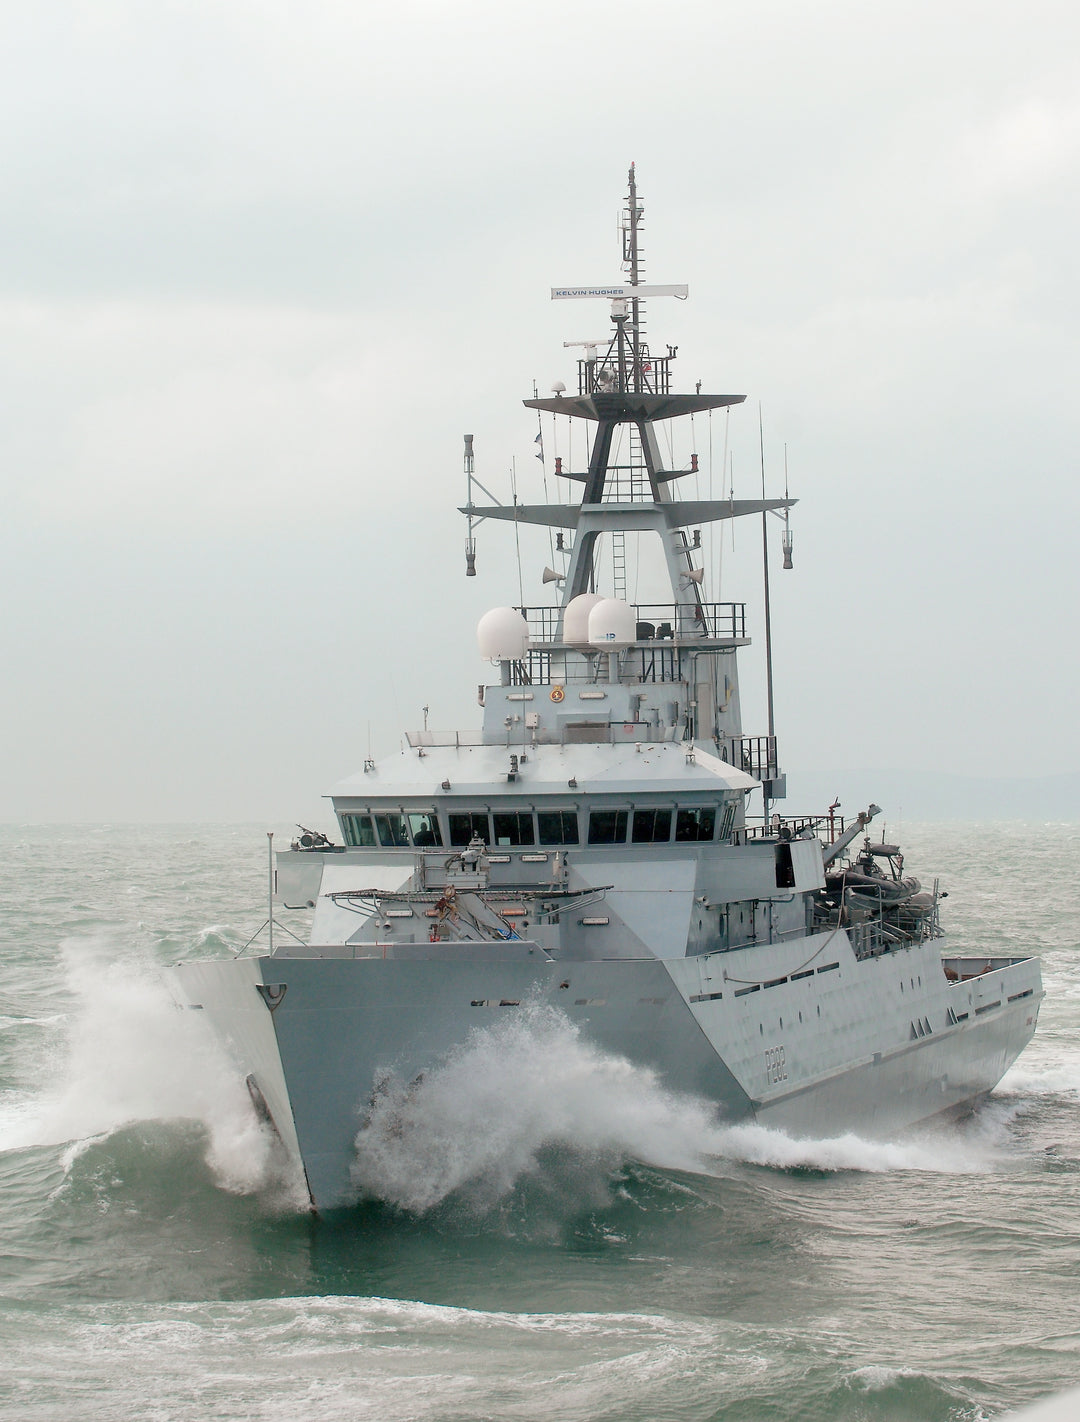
[589,847]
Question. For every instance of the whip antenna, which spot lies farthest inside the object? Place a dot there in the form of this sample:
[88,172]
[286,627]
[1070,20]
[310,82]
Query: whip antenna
[470,541]
[787,522]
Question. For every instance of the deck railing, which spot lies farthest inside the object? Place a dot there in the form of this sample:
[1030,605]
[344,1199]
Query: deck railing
[755,755]
[648,373]
[785,826]
[656,622]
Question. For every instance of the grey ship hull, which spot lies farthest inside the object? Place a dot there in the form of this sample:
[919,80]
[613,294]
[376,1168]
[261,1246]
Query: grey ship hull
[601,811]
[872,1046]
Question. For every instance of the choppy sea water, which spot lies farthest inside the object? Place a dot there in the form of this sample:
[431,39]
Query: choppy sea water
[553,1236]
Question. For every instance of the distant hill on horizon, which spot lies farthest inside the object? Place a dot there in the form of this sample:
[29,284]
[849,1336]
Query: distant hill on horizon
[932,795]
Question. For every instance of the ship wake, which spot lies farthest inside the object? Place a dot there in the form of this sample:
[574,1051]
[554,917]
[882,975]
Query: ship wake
[531,1089]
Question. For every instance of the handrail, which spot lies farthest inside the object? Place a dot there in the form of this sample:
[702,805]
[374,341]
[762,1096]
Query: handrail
[656,622]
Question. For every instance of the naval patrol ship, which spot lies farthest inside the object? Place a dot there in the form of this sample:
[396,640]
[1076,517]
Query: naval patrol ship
[591,847]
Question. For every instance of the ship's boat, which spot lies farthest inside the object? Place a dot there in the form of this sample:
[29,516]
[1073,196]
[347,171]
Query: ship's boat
[608,845]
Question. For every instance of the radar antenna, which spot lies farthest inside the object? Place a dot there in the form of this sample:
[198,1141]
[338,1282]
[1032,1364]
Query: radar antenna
[626,366]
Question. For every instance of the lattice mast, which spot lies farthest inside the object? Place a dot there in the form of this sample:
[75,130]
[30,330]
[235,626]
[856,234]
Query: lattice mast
[632,263]
[623,391]
[633,266]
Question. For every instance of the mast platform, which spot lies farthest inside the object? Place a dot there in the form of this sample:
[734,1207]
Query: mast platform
[626,406]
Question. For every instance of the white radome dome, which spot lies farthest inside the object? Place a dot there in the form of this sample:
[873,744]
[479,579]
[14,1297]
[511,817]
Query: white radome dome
[502,635]
[612,625]
[576,618]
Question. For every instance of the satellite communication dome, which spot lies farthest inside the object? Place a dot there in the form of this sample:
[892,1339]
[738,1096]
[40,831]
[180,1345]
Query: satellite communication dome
[502,635]
[576,618]
[612,625]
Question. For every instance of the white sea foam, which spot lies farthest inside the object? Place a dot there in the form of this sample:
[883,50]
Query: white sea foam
[530,1083]
[131,1055]
[349,1359]
[938,1152]
[7,1023]
[1061,1077]
[875,1377]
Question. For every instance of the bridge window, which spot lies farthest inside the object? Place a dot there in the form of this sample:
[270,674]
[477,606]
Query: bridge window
[358,830]
[425,829]
[513,827]
[393,833]
[651,827]
[557,826]
[727,822]
[695,824]
[469,824]
[607,826]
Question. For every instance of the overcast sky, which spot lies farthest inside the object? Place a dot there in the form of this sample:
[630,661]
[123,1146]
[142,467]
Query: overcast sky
[262,264]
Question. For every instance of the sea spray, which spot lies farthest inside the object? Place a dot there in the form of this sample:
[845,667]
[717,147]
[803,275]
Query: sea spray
[1031,1077]
[130,1054]
[529,1082]
[481,1121]
[946,1150]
